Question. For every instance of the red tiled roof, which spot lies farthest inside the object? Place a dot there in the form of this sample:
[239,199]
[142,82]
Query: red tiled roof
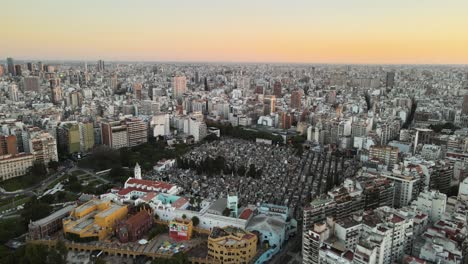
[126,191]
[397,219]
[149,196]
[181,201]
[246,214]
[148,183]
[138,219]
[349,255]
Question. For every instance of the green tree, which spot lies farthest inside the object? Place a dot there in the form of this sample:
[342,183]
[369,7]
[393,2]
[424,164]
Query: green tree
[227,212]
[195,221]
[48,199]
[53,165]
[252,171]
[119,174]
[34,209]
[34,254]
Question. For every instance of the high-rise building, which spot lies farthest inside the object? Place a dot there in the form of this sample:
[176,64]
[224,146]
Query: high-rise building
[2,71]
[269,105]
[86,136]
[286,120]
[423,136]
[100,66]
[197,128]
[11,66]
[296,97]
[137,131]
[30,66]
[311,242]
[69,137]
[40,66]
[441,177]
[385,155]
[114,134]
[386,237]
[277,89]
[390,80]
[18,70]
[112,82]
[8,145]
[465,105]
[407,187]
[137,87]
[31,83]
[13,92]
[431,203]
[179,86]
[43,146]
[56,90]
[160,124]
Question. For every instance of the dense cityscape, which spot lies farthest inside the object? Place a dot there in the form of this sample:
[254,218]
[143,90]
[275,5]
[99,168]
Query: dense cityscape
[234,132]
[233,163]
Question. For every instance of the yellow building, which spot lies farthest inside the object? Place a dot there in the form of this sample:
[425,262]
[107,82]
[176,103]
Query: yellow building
[93,220]
[86,136]
[232,245]
[180,229]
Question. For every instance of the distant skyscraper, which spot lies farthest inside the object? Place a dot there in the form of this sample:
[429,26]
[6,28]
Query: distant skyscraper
[137,87]
[197,77]
[1,70]
[390,80]
[11,66]
[40,66]
[296,97]
[13,92]
[50,68]
[100,66]
[31,83]
[112,82]
[277,89]
[56,91]
[465,104]
[179,86]
[269,105]
[30,66]
[18,70]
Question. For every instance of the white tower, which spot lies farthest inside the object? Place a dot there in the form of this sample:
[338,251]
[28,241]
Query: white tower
[137,174]
[232,201]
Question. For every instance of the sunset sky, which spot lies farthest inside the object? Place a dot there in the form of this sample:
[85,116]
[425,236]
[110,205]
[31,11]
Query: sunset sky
[331,31]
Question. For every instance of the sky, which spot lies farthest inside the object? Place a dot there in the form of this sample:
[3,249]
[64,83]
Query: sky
[301,31]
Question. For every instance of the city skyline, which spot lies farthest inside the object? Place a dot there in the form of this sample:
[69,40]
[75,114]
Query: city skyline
[336,32]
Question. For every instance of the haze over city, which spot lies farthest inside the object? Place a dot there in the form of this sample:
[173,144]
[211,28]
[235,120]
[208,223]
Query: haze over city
[302,31]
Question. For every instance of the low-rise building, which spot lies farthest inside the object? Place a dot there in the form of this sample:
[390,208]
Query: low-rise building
[232,245]
[12,166]
[43,228]
[134,227]
[180,229]
[94,220]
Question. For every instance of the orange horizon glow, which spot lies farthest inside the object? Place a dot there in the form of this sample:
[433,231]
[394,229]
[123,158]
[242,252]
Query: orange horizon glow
[299,31]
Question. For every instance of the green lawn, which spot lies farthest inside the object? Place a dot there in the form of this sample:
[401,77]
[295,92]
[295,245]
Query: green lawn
[52,184]
[78,173]
[11,228]
[10,199]
[14,203]
[16,183]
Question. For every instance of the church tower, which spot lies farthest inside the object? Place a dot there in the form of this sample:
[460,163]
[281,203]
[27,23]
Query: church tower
[137,173]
